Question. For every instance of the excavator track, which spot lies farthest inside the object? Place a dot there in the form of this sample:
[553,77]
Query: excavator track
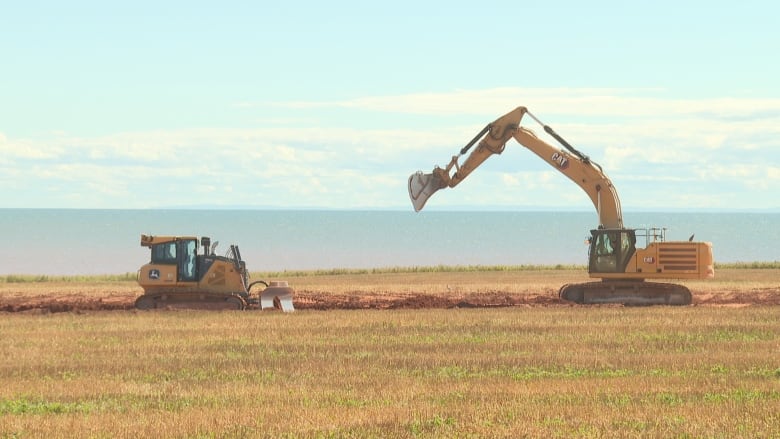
[629,293]
[203,300]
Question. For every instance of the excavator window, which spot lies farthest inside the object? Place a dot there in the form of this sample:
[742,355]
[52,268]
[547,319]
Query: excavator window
[605,247]
[611,250]
[604,258]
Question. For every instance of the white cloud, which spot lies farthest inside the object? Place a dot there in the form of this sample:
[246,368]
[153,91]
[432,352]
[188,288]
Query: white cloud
[644,142]
[613,126]
[14,149]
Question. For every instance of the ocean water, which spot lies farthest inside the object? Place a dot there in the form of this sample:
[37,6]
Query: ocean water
[73,241]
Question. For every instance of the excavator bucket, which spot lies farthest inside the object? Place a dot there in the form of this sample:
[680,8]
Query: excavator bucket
[278,295]
[421,187]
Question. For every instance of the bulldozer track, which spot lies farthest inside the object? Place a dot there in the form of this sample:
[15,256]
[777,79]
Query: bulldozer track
[200,300]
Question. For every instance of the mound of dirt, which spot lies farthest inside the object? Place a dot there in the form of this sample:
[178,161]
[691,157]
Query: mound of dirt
[53,301]
[70,302]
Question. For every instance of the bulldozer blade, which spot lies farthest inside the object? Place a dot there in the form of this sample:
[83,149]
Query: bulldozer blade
[277,296]
[421,187]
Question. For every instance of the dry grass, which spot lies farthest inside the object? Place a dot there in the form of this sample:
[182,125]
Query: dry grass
[660,372]
[511,282]
[506,372]
[727,281]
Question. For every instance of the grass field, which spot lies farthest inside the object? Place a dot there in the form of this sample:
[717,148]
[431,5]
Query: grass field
[497,372]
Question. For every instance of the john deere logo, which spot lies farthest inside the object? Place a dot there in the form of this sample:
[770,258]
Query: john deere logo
[154,274]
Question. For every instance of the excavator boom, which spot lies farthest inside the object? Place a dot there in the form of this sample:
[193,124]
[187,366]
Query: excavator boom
[492,140]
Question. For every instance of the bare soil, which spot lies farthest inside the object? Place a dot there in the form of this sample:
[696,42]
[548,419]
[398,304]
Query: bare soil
[53,301]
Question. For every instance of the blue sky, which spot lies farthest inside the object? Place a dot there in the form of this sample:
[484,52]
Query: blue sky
[335,104]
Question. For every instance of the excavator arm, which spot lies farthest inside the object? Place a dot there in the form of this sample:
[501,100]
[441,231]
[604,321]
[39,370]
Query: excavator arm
[492,140]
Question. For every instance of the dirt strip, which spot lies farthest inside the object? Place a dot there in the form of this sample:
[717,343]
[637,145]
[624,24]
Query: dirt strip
[53,302]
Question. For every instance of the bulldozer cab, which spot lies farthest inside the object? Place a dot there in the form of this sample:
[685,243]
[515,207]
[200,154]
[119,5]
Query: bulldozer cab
[181,252]
[610,250]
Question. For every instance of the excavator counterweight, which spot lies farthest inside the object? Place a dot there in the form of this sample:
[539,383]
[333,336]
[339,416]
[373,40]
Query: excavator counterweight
[613,256]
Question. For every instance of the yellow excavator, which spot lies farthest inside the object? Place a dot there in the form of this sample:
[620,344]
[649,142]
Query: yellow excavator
[178,276]
[613,255]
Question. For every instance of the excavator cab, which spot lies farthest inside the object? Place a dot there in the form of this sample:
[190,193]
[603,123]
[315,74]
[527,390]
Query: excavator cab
[611,250]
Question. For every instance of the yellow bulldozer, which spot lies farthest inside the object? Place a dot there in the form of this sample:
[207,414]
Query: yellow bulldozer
[179,276]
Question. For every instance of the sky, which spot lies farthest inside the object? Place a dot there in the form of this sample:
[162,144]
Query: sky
[175,104]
